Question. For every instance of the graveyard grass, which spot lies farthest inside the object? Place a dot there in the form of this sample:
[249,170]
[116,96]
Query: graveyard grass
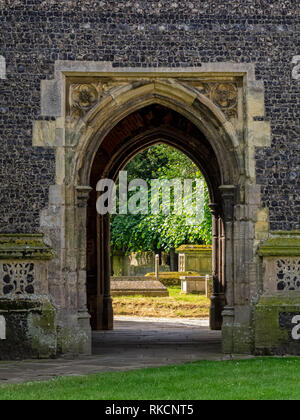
[174,306]
[254,379]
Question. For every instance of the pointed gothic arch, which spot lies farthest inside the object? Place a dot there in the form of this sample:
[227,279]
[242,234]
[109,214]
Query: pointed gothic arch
[89,100]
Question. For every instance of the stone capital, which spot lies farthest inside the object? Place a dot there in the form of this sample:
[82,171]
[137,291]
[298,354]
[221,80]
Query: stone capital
[228,193]
[82,195]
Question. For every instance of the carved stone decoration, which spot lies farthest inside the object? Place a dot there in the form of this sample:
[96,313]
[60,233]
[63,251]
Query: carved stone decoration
[288,275]
[83,98]
[224,95]
[204,89]
[17,279]
[181,260]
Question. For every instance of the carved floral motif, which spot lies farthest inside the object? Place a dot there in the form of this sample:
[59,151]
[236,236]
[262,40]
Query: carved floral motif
[224,95]
[17,279]
[83,98]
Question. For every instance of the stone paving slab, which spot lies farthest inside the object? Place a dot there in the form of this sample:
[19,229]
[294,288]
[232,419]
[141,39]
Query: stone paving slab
[134,344]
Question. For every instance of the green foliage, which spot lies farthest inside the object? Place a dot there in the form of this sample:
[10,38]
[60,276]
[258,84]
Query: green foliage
[155,232]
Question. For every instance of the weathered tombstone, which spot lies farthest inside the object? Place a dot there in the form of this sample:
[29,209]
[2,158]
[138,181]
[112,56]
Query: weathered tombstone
[193,285]
[195,258]
[141,286]
[157,267]
[2,328]
[181,263]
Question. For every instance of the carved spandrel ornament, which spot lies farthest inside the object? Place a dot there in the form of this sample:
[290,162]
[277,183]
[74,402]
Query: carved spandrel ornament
[224,95]
[84,96]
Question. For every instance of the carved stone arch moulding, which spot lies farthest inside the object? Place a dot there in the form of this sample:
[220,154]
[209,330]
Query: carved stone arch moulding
[105,116]
[84,96]
[81,90]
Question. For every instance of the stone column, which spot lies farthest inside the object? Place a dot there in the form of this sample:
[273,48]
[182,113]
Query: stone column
[228,195]
[100,274]
[104,309]
[217,298]
[215,244]
[82,202]
[82,197]
[108,316]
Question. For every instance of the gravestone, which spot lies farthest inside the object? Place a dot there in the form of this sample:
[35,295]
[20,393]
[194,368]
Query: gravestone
[195,258]
[196,285]
[133,286]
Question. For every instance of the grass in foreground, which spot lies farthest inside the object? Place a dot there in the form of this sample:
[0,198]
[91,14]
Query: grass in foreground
[174,306]
[255,379]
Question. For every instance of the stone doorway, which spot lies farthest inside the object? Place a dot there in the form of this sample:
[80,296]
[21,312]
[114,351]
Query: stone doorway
[144,128]
[101,118]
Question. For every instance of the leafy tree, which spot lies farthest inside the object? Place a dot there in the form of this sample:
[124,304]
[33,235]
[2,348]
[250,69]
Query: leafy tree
[160,232]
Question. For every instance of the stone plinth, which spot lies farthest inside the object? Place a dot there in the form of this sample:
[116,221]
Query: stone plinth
[30,328]
[196,258]
[28,316]
[277,315]
[133,286]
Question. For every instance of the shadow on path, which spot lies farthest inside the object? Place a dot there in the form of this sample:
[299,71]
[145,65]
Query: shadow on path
[134,344]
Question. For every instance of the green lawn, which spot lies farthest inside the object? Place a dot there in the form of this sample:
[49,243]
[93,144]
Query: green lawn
[255,379]
[173,306]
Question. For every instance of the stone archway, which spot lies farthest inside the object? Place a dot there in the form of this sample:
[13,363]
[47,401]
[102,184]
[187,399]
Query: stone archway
[142,129]
[89,100]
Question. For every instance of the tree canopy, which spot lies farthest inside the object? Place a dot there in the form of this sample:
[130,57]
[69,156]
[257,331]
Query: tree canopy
[161,232]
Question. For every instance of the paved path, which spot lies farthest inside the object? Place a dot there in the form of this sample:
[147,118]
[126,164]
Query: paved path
[135,343]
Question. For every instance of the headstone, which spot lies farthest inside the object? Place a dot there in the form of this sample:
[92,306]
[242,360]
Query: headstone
[132,286]
[195,284]
[157,267]
[2,328]
[181,263]
[195,258]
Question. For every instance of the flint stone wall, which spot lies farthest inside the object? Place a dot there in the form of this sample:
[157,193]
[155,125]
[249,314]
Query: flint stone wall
[144,33]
